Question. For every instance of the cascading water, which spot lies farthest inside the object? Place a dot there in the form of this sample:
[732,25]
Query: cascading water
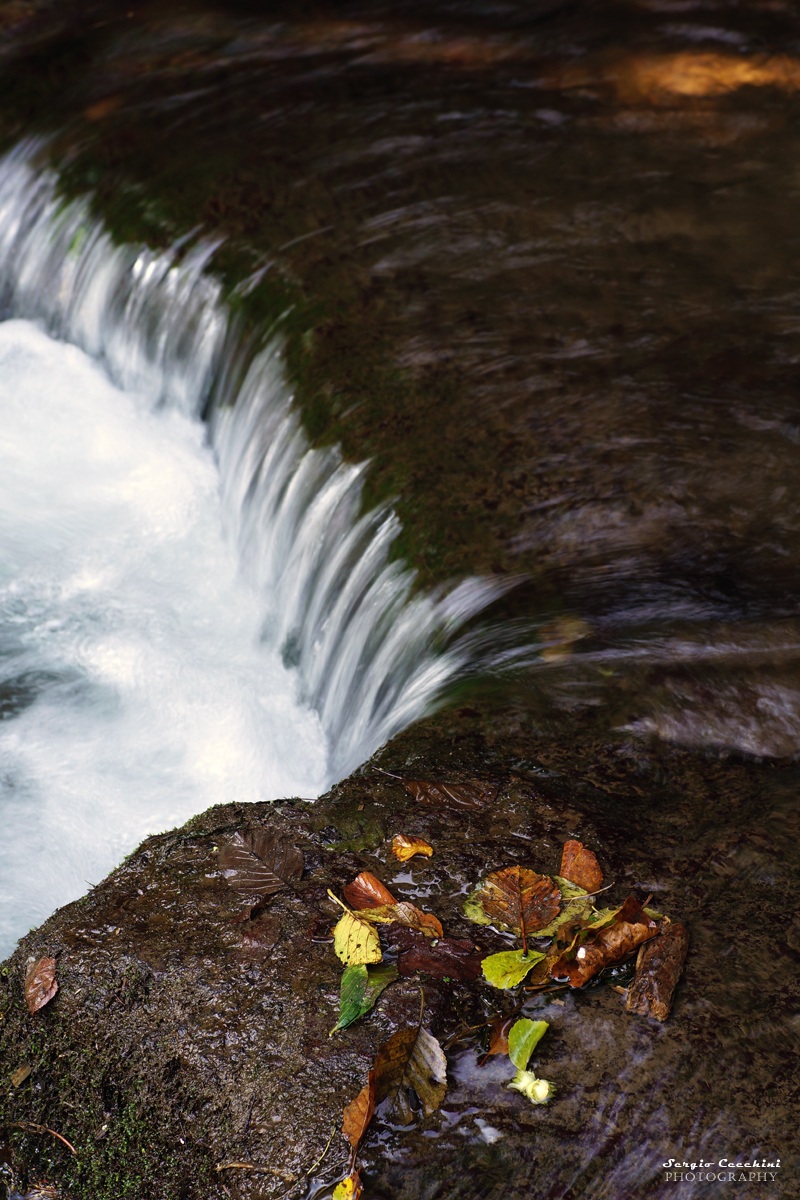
[157,572]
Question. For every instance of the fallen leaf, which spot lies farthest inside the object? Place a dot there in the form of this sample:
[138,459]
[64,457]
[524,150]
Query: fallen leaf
[259,863]
[21,1074]
[658,968]
[411,1058]
[464,797]
[405,847]
[595,948]
[356,941]
[520,900]
[366,891]
[580,866]
[577,907]
[360,988]
[40,984]
[498,1040]
[523,1038]
[349,1188]
[358,1113]
[509,967]
[406,914]
[450,958]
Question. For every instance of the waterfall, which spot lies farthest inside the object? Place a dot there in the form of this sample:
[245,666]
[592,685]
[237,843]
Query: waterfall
[293,625]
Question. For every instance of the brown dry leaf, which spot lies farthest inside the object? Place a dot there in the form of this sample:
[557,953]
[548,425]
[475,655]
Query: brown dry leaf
[366,891]
[466,797]
[580,866]
[405,846]
[498,1040]
[520,899]
[40,984]
[260,935]
[259,863]
[21,1074]
[658,969]
[450,958]
[412,1058]
[595,949]
[358,1113]
[406,914]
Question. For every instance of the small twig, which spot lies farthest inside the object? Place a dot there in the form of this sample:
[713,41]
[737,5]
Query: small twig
[391,774]
[314,1166]
[248,1166]
[29,1127]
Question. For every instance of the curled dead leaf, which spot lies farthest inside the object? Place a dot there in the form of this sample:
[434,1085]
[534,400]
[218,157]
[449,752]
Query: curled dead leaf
[366,891]
[658,968]
[594,949]
[411,1058]
[40,984]
[405,846]
[406,914]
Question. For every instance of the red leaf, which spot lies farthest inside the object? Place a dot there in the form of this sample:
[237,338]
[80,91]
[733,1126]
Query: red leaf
[464,797]
[366,891]
[580,866]
[40,983]
[452,958]
[358,1113]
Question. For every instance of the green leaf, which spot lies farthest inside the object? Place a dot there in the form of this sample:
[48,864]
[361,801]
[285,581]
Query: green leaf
[473,909]
[523,1038]
[538,1091]
[509,967]
[360,988]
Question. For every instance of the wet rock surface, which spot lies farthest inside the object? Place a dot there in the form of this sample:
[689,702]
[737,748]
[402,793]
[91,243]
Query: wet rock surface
[182,1038]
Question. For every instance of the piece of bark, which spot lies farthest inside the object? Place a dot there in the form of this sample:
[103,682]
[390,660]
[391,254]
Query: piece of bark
[658,968]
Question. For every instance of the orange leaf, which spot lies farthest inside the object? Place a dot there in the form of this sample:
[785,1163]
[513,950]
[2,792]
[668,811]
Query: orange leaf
[580,866]
[520,899]
[405,848]
[40,983]
[366,891]
[358,1113]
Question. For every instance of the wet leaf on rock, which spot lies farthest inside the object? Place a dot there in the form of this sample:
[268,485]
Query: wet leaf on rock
[658,968]
[450,958]
[619,934]
[509,967]
[349,1188]
[366,891]
[411,1058]
[40,984]
[464,797]
[358,1113]
[405,846]
[523,1038]
[360,988]
[580,866]
[519,900]
[356,941]
[260,863]
[406,914]
[260,935]
[498,1040]
[577,907]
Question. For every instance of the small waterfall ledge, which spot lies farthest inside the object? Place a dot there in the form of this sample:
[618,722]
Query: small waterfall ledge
[372,653]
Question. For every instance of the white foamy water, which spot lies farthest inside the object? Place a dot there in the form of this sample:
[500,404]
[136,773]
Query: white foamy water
[158,572]
[132,643]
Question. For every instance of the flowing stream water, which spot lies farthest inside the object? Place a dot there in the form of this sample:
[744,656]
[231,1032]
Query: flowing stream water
[158,574]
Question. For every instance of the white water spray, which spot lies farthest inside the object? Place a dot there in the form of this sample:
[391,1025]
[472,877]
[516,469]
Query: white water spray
[155,572]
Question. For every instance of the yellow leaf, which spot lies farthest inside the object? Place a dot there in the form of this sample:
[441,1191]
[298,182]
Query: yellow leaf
[406,914]
[405,847]
[356,941]
[348,1189]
